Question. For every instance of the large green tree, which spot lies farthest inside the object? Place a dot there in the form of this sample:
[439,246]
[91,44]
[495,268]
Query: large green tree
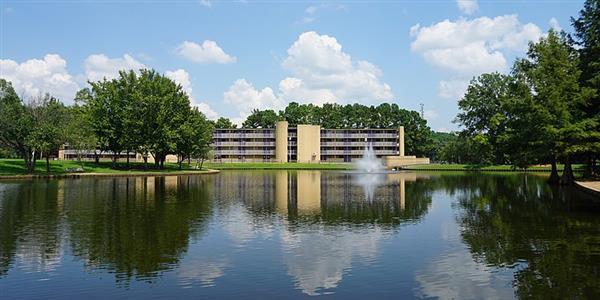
[587,38]
[194,137]
[49,132]
[16,125]
[483,113]
[552,72]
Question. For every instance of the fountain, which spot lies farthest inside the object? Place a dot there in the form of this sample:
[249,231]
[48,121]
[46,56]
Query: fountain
[369,163]
[369,172]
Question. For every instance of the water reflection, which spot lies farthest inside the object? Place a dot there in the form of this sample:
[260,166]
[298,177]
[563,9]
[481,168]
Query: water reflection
[134,227]
[553,242]
[296,234]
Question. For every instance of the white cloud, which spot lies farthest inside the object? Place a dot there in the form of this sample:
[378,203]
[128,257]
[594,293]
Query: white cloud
[244,97]
[467,6]
[38,76]
[467,48]
[554,24]
[207,110]
[320,72]
[452,89]
[318,65]
[208,52]
[182,77]
[478,38]
[99,66]
[206,3]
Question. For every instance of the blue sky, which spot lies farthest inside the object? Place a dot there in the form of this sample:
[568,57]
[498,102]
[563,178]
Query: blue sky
[234,56]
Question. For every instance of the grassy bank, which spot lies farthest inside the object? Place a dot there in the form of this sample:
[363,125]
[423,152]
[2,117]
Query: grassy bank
[492,168]
[11,167]
[278,166]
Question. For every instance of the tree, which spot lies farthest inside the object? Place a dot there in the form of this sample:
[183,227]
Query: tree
[587,38]
[107,111]
[194,137]
[224,123]
[164,106]
[49,133]
[80,135]
[483,111]
[261,119]
[551,70]
[16,125]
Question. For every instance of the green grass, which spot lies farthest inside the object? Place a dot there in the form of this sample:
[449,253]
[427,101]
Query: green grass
[278,166]
[9,167]
[500,168]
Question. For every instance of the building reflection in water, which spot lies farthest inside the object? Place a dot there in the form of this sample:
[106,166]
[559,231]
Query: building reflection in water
[318,254]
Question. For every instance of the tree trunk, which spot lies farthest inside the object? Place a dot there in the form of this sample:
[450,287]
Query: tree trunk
[201,163]
[47,164]
[145,162]
[33,163]
[162,163]
[554,178]
[114,160]
[567,177]
[28,165]
[588,172]
[127,159]
[180,161]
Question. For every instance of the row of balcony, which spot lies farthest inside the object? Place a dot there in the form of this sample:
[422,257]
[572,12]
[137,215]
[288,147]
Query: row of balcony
[245,152]
[243,135]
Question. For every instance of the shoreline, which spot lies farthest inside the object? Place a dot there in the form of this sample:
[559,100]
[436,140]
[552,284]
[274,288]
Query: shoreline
[589,187]
[124,174]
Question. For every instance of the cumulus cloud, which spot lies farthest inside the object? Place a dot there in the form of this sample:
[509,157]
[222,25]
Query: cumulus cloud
[554,24]
[243,96]
[100,66]
[452,89]
[319,66]
[208,52]
[207,110]
[467,6]
[466,48]
[320,71]
[182,77]
[34,77]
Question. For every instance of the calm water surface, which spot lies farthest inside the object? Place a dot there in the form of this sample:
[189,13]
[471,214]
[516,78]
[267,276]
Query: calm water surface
[280,234]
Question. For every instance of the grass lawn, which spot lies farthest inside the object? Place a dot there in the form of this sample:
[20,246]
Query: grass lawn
[57,167]
[278,166]
[501,168]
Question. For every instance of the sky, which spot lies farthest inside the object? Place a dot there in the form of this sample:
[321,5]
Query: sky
[235,56]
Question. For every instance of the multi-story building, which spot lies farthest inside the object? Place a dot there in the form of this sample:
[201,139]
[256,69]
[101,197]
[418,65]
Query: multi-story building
[306,144]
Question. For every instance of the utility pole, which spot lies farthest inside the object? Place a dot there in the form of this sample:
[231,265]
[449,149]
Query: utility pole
[422,110]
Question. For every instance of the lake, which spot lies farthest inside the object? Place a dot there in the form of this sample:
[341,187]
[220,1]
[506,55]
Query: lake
[298,234]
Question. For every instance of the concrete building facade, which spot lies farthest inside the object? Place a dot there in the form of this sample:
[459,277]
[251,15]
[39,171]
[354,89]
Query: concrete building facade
[308,144]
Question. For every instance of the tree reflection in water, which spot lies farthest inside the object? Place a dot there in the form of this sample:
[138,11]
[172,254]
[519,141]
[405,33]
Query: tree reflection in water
[133,227]
[551,236]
